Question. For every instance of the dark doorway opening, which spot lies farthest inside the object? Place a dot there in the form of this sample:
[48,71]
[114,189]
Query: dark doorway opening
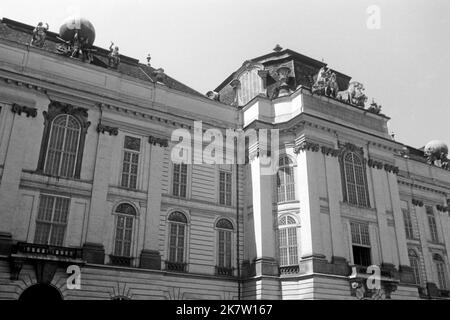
[40,292]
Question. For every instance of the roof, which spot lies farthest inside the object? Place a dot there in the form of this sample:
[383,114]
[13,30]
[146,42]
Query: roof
[22,33]
[278,55]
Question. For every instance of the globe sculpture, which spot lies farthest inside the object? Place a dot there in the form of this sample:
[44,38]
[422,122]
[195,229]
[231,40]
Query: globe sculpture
[84,27]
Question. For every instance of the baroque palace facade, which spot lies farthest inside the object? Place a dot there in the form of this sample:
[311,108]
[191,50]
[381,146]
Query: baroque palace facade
[87,180]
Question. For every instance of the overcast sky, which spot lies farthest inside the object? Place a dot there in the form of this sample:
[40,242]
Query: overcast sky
[404,64]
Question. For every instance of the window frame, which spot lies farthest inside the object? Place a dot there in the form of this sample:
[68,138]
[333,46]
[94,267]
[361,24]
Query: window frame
[417,271]
[288,196]
[407,221]
[231,180]
[130,163]
[432,224]
[363,242]
[294,225]
[38,221]
[441,272]
[185,238]
[172,179]
[359,195]
[62,151]
[133,228]
[55,109]
[226,231]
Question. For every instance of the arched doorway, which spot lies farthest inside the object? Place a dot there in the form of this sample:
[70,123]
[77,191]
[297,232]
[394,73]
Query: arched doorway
[40,292]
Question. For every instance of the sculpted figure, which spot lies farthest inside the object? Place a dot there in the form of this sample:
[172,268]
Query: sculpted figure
[39,35]
[326,83]
[113,56]
[354,94]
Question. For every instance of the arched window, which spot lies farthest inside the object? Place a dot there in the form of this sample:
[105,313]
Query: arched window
[414,261]
[224,242]
[177,241]
[287,234]
[63,146]
[285,180]
[441,274]
[124,230]
[354,176]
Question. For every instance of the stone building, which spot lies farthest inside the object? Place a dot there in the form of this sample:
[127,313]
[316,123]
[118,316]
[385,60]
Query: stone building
[87,181]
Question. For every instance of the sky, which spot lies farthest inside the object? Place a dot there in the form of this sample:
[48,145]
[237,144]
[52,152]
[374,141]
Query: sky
[403,62]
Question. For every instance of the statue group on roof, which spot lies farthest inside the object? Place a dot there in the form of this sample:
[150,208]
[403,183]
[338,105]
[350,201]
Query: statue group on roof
[39,35]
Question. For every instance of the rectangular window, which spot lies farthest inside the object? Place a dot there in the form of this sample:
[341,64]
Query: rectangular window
[408,224]
[225,188]
[288,246]
[130,162]
[432,224]
[179,180]
[51,221]
[360,243]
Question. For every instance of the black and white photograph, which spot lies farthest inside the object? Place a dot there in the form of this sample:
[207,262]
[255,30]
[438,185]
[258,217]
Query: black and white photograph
[237,152]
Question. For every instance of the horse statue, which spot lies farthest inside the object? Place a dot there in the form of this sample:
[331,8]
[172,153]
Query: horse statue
[354,94]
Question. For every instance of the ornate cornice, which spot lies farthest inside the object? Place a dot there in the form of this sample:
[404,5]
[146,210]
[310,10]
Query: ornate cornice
[29,111]
[347,146]
[160,141]
[380,165]
[417,203]
[306,146]
[22,84]
[330,151]
[442,208]
[113,131]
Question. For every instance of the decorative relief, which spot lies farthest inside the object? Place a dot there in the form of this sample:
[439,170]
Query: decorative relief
[306,146]
[160,141]
[326,83]
[417,203]
[30,112]
[56,108]
[39,35]
[380,165]
[354,94]
[442,208]
[113,131]
[330,151]
[351,147]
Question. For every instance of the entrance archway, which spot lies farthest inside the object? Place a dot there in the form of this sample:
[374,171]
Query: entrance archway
[40,292]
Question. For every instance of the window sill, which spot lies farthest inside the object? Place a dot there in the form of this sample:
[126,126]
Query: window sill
[120,261]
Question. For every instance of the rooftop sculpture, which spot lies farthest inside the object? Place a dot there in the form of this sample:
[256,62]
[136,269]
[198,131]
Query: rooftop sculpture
[39,35]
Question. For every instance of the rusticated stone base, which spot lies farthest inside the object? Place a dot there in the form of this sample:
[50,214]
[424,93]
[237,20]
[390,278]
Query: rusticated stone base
[94,253]
[150,259]
[5,243]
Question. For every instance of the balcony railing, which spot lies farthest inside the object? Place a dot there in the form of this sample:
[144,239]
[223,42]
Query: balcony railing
[120,261]
[224,271]
[43,249]
[176,266]
[288,270]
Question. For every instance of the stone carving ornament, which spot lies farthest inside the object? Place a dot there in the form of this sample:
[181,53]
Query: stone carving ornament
[326,83]
[39,35]
[354,94]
